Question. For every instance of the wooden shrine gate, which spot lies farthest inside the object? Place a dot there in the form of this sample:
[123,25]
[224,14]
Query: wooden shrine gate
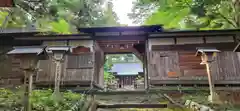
[169,57]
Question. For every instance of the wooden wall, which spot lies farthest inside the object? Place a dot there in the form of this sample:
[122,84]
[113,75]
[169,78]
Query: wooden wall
[77,67]
[188,40]
[174,59]
[226,66]
[173,65]
[10,73]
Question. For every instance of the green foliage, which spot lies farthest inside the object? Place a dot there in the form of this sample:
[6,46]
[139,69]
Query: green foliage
[170,18]
[41,100]
[61,26]
[108,77]
[188,14]
[60,16]
[3,15]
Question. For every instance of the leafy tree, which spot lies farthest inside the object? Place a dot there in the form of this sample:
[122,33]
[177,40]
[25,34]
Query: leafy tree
[60,16]
[188,14]
[109,16]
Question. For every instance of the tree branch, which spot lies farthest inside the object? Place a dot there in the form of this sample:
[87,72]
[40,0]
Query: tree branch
[230,22]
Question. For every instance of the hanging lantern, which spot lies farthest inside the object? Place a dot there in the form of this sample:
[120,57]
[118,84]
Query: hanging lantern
[207,54]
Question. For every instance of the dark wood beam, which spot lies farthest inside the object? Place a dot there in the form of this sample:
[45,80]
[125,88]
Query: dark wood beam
[132,106]
[55,37]
[67,84]
[116,44]
[120,37]
[138,55]
[194,33]
[184,83]
[192,47]
[117,50]
[110,41]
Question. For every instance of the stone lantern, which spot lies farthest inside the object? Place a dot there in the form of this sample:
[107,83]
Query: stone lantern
[59,53]
[208,55]
[29,57]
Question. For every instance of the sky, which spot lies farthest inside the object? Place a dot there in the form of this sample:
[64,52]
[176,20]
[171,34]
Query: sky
[122,8]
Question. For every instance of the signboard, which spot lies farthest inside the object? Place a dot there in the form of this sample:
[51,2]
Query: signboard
[6,3]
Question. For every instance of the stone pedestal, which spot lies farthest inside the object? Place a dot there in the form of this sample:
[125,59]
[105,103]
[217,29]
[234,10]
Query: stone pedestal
[140,86]
[112,86]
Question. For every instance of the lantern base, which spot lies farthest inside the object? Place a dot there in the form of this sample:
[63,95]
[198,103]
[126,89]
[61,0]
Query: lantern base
[214,98]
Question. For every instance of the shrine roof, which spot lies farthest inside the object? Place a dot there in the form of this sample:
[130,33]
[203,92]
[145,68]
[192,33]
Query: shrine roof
[127,68]
[127,32]
[150,28]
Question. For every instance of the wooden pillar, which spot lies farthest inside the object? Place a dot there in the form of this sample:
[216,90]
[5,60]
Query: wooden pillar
[146,66]
[29,68]
[28,83]
[26,102]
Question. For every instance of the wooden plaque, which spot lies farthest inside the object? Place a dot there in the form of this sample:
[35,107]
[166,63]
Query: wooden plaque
[6,3]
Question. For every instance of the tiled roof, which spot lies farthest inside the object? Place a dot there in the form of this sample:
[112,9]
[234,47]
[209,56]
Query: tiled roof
[127,68]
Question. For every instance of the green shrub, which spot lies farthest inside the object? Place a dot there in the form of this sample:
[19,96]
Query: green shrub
[41,100]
